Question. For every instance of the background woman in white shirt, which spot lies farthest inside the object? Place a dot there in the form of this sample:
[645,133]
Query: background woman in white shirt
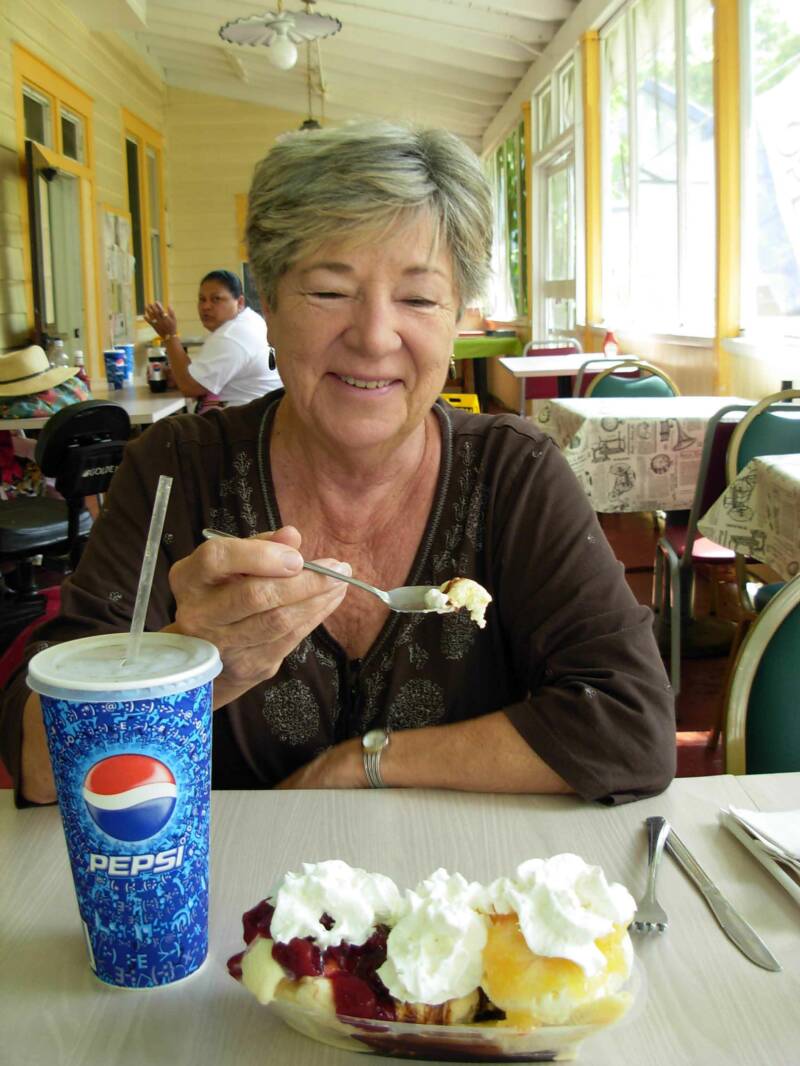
[234,365]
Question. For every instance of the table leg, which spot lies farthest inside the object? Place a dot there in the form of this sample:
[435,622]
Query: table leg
[481,383]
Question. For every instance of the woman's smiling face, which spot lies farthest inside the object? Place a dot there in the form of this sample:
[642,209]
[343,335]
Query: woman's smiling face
[364,335]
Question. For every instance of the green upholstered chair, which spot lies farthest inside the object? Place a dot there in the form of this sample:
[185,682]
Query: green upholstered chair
[770,427]
[650,381]
[762,714]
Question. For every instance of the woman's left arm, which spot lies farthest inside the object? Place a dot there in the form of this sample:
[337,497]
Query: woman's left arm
[484,754]
[588,708]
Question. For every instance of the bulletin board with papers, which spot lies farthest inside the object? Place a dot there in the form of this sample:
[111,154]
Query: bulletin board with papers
[117,277]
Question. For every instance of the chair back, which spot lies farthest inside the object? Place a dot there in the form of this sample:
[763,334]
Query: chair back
[771,427]
[547,388]
[711,479]
[81,447]
[610,383]
[602,362]
[762,720]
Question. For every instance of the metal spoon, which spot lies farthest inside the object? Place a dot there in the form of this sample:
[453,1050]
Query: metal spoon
[408,599]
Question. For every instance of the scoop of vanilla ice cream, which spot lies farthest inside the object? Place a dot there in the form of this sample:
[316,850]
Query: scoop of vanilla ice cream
[435,951]
[464,592]
[435,600]
[460,592]
[564,905]
[261,974]
[355,900]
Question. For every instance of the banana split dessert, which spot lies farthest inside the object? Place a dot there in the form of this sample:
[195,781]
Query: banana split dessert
[546,947]
[458,593]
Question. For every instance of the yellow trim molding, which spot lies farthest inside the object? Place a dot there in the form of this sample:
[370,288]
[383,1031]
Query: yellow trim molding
[29,70]
[727,138]
[592,169]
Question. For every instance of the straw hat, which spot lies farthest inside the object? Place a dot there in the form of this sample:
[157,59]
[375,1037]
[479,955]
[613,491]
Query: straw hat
[26,371]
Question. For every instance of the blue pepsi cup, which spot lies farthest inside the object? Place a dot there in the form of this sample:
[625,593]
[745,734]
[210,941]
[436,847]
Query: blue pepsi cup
[128,350]
[115,367]
[130,746]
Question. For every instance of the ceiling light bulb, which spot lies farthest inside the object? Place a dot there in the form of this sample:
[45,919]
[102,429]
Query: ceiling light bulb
[282,52]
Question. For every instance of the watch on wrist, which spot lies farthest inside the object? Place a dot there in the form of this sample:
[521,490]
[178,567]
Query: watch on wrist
[373,745]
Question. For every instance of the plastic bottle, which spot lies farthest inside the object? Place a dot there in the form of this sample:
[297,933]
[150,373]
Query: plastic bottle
[78,361]
[57,353]
[60,354]
[610,345]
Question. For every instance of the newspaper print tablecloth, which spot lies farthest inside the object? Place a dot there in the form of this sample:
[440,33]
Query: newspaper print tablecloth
[633,454]
[759,514]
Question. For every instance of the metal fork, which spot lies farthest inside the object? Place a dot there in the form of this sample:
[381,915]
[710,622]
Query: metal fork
[408,599]
[650,916]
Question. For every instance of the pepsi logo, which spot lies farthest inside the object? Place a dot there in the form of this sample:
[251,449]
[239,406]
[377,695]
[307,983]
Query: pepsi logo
[130,797]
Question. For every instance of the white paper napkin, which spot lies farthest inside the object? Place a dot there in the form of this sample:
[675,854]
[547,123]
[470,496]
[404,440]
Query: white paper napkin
[779,828]
[785,870]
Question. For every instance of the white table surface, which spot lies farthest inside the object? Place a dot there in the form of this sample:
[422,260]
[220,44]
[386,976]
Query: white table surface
[633,453]
[545,366]
[143,406]
[705,1002]
[759,514]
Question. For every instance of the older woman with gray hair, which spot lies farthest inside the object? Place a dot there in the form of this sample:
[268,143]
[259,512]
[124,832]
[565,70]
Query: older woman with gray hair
[366,242]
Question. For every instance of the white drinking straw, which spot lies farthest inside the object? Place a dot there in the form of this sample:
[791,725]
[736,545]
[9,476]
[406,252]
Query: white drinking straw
[148,567]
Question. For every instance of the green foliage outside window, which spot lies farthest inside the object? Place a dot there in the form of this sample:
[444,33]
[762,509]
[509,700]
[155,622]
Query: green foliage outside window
[510,170]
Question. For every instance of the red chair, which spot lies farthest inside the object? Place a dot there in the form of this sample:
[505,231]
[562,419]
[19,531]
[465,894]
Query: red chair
[545,388]
[681,546]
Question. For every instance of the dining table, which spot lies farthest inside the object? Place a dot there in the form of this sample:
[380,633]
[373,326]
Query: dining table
[144,407]
[758,515]
[562,367]
[633,454]
[700,999]
[476,347]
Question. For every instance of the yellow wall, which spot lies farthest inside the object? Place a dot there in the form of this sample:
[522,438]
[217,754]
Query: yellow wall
[109,73]
[212,145]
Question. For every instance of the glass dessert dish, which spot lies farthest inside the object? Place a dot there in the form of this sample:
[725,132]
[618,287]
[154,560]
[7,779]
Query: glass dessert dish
[521,970]
[480,1042]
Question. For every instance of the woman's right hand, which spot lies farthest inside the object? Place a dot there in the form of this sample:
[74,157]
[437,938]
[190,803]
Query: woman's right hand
[162,319]
[252,599]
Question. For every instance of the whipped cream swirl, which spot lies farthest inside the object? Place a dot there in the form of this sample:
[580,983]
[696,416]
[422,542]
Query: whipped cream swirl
[355,901]
[435,951]
[564,905]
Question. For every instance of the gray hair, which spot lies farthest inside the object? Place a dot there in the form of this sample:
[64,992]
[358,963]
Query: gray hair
[364,178]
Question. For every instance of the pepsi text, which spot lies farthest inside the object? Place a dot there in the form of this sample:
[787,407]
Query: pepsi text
[133,865]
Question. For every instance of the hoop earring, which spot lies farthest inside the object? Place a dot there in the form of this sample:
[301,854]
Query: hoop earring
[271,361]
[452,371]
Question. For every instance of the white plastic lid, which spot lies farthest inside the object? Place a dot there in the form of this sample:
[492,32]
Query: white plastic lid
[92,668]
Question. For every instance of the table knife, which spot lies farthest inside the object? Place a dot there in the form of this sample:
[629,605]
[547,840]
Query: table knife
[733,925]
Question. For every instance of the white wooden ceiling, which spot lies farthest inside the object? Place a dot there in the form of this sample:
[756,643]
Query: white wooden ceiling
[450,63]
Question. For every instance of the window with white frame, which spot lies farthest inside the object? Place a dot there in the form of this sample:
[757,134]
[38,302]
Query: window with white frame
[508,298]
[36,116]
[659,227]
[554,192]
[771,154]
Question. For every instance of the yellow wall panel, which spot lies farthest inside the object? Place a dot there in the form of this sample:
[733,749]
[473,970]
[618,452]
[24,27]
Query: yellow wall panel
[212,145]
[110,75]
